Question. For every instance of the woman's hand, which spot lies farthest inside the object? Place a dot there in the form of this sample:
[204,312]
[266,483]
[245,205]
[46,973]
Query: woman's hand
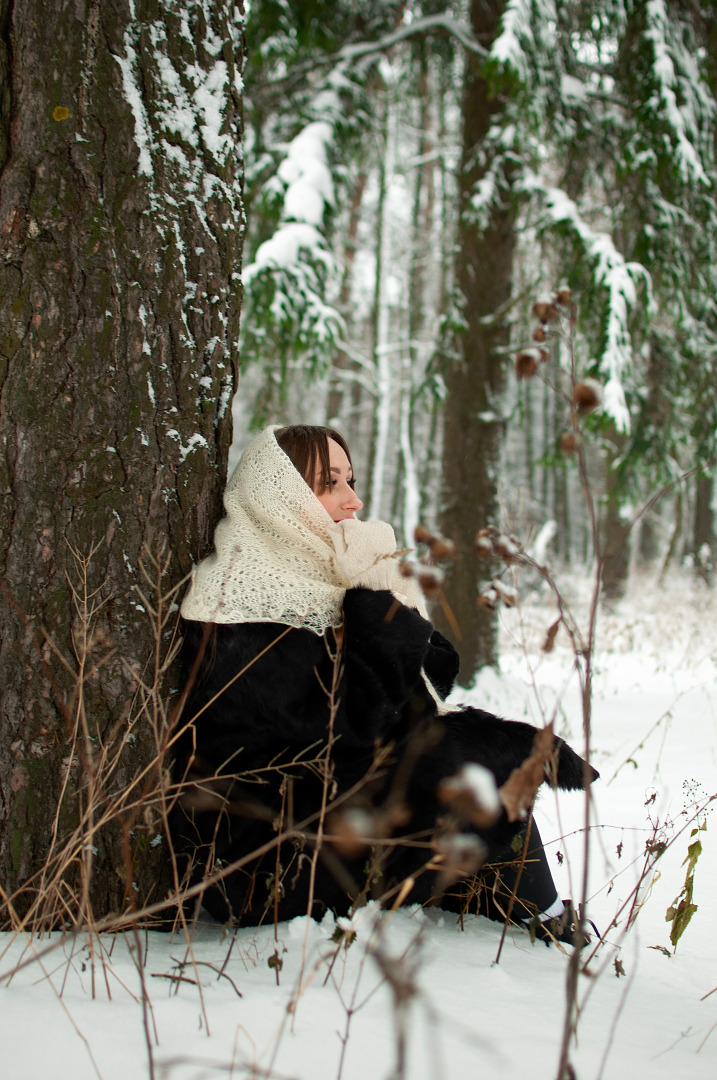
[365,553]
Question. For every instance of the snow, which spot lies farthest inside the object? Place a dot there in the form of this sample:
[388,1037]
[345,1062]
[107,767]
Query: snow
[282,249]
[142,135]
[193,442]
[573,90]
[305,171]
[336,1009]
[514,29]
[209,98]
[680,117]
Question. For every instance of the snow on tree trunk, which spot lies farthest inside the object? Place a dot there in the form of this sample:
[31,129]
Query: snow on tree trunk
[120,228]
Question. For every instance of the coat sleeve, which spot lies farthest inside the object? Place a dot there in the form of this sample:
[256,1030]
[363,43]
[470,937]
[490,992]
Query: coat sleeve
[263,685]
[441,663]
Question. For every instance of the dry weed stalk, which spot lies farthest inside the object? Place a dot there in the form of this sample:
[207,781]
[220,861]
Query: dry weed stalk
[557,324]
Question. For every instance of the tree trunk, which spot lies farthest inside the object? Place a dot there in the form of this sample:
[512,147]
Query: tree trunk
[475,379]
[120,230]
[380,324]
[615,525]
[703,539]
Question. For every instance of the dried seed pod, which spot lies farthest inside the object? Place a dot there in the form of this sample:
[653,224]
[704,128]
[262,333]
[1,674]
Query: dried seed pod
[351,831]
[421,535]
[543,355]
[540,333]
[507,548]
[430,578]
[472,794]
[564,295]
[507,593]
[545,310]
[570,442]
[483,544]
[488,599]
[406,568]
[441,548]
[526,363]
[460,855]
[587,395]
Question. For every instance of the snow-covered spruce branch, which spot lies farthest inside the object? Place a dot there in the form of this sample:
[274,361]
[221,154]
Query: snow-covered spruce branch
[442,25]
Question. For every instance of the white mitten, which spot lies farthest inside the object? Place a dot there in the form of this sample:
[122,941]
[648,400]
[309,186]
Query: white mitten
[366,558]
[364,551]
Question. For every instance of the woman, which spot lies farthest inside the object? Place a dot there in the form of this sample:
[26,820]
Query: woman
[316,742]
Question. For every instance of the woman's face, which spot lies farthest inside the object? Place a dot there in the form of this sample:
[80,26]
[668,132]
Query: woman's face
[336,493]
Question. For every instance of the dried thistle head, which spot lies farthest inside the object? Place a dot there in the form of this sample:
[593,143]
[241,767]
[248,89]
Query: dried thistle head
[526,363]
[351,831]
[564,295]
[545,310]
[570,442]
[507,593]
[458,855]
[507,547]
[483,544]
[472,795]
[540,333]
[441,548]
[488,599]
[587,396]
[430,578]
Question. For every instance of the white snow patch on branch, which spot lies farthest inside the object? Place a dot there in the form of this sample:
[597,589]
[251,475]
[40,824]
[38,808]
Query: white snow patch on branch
[681,118]
[514,25]
[618,278]
[305,171]
[282,249]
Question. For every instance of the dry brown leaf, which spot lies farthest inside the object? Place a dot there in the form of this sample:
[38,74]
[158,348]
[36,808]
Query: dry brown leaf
[518,792]
[550,637]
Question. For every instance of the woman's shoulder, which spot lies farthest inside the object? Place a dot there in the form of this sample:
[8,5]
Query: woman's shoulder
[237,638]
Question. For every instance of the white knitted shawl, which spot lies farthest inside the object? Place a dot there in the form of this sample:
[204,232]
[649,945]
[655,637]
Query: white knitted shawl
[280,558]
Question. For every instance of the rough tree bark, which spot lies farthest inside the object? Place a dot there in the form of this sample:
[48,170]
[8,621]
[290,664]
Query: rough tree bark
[475,379]
[120,240]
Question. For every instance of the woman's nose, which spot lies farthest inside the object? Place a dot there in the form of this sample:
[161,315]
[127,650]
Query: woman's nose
[352,501]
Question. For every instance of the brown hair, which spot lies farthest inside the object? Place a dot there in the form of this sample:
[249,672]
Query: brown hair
[305,443]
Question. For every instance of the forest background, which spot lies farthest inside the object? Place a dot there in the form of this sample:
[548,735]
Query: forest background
[439,170]
[403,183]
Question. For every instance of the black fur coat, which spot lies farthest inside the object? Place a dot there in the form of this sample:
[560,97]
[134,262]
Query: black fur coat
[255,729]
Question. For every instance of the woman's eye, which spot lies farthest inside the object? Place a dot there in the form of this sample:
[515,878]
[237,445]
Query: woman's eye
[352,483]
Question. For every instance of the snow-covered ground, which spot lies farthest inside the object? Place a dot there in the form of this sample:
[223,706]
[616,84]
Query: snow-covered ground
[446,1004]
